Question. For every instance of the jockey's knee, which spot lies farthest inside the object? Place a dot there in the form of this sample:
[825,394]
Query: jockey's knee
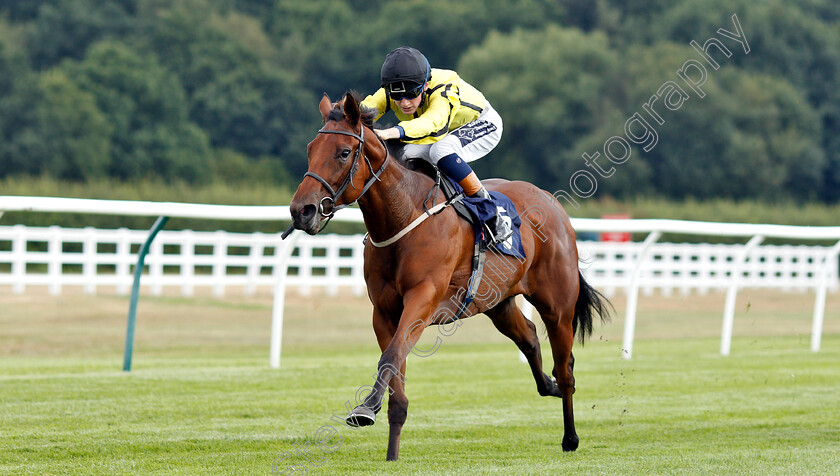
[444,147]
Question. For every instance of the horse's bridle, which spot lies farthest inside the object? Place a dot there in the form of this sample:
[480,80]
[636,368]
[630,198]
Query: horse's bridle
[348,180]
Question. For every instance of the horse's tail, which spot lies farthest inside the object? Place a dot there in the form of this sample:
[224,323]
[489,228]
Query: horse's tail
[589,300]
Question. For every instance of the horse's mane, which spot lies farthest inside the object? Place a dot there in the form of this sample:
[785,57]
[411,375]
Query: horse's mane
[368,114]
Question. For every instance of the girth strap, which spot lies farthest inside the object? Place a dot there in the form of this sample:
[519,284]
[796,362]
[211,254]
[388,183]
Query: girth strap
[479,259]
[417,221]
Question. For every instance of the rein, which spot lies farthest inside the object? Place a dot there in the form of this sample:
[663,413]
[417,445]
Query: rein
[348,180]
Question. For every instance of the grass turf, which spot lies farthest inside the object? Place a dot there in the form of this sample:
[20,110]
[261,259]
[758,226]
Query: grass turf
[197,402]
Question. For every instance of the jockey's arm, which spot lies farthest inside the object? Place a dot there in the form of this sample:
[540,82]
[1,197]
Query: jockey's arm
[390,133]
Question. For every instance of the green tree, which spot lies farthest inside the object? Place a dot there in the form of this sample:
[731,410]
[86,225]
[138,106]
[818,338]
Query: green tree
[18,119]
[328,45]
[444,29]
[553,90]
[781,130]
[65,29]
[236,90]
[340,44]
[750,136]
[22,10]
[11,67]
[147,108]
[75,133]
[791,40]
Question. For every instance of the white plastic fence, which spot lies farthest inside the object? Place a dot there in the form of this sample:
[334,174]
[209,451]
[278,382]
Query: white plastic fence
[689,267]
[103,260]
[56,257]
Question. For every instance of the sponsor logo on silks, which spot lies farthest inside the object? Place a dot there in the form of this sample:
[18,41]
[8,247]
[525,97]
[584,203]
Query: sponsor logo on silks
[474,131]
[465,133]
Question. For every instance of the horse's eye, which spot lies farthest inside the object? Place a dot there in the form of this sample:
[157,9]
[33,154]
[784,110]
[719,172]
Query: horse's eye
[345,153]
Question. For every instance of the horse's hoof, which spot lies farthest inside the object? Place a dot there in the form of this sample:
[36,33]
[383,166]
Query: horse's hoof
[570,443]
[551,389]
[361,416]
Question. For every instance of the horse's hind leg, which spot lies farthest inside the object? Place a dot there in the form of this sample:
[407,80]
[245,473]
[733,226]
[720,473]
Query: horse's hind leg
[559,326]
[510,321]
[557,312]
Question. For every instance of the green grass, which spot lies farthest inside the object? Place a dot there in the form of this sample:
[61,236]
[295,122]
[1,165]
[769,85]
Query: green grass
[769,409]
[202,400]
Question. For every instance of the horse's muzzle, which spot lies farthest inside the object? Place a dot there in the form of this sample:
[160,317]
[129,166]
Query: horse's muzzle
[306,217]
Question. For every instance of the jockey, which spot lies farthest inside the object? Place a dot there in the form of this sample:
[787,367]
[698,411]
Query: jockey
[443,120]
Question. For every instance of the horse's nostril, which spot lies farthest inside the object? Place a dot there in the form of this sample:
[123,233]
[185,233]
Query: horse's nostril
[308,212]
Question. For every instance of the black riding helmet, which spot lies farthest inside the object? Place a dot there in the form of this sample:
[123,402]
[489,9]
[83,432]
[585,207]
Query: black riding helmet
[404,72]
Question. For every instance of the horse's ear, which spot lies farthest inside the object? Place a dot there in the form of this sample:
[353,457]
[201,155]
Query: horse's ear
[325,106]
[351,109]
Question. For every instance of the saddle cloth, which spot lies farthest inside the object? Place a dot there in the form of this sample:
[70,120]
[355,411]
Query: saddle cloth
[478,210]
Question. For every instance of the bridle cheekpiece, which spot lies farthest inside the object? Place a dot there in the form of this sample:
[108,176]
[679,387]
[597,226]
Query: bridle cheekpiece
[348,180]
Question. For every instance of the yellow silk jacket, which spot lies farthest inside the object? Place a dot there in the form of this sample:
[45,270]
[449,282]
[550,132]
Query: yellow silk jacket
[449,103]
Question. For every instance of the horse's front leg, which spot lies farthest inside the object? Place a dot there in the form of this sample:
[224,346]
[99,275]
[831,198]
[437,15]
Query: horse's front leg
[385,328]
[397,414]
[418,305]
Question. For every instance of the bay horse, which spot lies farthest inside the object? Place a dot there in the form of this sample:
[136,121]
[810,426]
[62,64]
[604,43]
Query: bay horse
[419,279]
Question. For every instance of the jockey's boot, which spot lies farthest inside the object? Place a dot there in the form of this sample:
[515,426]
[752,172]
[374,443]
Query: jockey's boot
[458,169]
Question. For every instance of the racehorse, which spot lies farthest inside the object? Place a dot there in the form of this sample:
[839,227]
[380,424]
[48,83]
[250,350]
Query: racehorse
[419,279]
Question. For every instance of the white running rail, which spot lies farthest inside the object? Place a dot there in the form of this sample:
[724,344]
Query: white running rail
[96,259]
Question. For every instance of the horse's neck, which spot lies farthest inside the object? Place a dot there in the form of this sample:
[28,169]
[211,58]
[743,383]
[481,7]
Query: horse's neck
[391,204]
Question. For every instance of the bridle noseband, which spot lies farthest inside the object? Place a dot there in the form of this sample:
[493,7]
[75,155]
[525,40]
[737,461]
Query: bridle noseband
[348,180]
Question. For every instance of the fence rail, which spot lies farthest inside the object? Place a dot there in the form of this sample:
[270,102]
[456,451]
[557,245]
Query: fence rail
[57,257]
[689,267]
[97,259]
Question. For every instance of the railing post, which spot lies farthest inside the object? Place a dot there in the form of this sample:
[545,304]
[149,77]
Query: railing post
[188,263]
[220,260]
[281,271]
[819,301]
[332,264]
[135,292]
[19,259]
[54,252]
[123,258]
[732,294]
[90,260]
[255,254]
[633,296]
[156,268]
[305,269]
